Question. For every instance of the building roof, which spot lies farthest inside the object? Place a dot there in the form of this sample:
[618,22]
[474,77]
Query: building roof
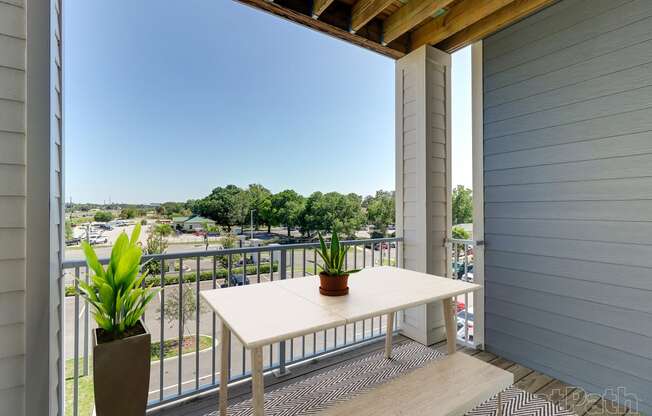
[180,219]
[199,219]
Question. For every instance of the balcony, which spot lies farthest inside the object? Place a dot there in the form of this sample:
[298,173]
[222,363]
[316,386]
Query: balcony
[185,327]
[190,385]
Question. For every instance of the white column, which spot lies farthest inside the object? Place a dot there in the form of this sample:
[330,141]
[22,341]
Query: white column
[478,192]
[423,180]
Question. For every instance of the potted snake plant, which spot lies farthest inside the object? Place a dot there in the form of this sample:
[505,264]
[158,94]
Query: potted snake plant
[333,279]
[121,343]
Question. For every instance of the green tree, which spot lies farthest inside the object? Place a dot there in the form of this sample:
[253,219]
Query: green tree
[228,206]
[462,205]
[157,243]
[164,230]
[286,208]
[381,210]
[183,307]
[267,215]
[324,212]
[460,233]
[170,209]
[229,240]
[103,216]
[128,213]
[258,197]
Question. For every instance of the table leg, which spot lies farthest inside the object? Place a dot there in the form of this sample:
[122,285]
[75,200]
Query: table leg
[388,337]
[257,382]
[225,341]
[499,405]
[451,325]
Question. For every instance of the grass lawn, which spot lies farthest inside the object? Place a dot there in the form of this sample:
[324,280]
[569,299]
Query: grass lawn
[171,346]
[86,395]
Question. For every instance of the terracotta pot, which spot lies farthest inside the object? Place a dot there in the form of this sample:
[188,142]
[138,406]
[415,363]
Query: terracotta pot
[333,285]
[121,373]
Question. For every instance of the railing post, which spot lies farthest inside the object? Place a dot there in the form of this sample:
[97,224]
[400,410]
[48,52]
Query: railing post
[282,370]
[87,327]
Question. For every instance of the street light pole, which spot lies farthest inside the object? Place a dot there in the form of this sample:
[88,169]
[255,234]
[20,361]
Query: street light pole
[252,223]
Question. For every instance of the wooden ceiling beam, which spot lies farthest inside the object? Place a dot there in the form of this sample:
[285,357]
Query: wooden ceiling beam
[409,16]
[365,10]
[516,10]
[305,20]
[460,16]
[318,7]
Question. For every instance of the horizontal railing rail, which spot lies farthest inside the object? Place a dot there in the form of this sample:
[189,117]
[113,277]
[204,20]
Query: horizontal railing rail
[187,362]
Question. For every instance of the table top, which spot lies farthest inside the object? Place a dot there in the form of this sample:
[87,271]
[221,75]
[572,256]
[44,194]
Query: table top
[265,313]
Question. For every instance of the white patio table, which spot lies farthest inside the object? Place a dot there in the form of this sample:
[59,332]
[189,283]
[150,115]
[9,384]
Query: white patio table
[294,307]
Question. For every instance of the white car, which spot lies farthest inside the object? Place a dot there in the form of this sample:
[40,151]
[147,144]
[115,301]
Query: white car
[98,240]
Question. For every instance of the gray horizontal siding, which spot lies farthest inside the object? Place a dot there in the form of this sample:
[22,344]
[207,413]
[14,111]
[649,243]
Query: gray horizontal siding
[568,193]
[12,208]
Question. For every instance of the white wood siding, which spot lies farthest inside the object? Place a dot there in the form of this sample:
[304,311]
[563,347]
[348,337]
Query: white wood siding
[568,194]
[422,175]
[12,208]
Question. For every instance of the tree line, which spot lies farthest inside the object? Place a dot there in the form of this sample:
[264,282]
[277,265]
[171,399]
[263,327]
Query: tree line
[232,206]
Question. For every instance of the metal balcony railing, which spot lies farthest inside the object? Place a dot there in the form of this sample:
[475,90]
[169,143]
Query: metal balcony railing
[463,267]
[185,332]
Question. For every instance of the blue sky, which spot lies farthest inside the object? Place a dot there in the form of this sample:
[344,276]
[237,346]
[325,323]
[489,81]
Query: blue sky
[167,102]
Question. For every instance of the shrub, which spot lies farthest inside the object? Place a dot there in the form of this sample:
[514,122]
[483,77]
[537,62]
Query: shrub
[103,216]
[191,277]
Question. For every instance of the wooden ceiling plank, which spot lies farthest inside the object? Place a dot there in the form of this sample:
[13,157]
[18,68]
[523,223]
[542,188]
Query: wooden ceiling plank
[365,10]
[460,16]
[409,16]
[515,11]
[323,27]
[319,6]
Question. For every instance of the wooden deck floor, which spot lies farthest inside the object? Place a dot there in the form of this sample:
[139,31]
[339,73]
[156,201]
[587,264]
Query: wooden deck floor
[524,378]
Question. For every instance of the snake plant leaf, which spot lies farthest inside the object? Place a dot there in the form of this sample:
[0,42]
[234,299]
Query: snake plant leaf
[91,259]
[135,234]
[88,290]
[340,266]
[116,253]
[335,247]
[128,266]
[98,280]
[103,322]
[106,297]
[322,244]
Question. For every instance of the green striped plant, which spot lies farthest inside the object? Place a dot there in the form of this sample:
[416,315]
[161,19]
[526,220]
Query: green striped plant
[333,256]
[116,293]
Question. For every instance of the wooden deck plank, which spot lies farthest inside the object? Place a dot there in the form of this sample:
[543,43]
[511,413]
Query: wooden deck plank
[519,372]
[485,356]
[580,402]
[555,391]
[533,382]
[606,407]
[503,363]
[524,378]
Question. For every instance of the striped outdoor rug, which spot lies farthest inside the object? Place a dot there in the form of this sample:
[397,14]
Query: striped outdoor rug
[311,395]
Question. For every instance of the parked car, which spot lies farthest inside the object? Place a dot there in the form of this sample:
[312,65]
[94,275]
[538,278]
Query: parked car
[460,306]
[98,240]
[249,260]
[461,320]
[236,280]
[73,241]
[104,226]
[458,270]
